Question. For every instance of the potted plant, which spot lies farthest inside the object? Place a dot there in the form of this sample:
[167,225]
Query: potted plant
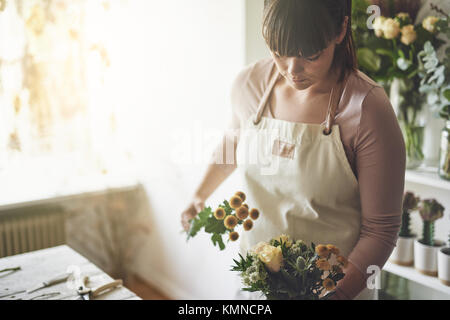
[389,55]
[444,264]
[426,248]
[403,253]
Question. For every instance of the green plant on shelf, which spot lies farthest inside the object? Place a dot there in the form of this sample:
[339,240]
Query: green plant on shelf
[410,203]
[430,210]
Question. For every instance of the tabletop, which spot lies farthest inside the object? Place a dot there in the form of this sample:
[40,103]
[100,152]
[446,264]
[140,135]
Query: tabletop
[42,265]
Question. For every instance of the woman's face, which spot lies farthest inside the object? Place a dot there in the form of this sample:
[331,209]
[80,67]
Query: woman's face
[311,70]
[303,72]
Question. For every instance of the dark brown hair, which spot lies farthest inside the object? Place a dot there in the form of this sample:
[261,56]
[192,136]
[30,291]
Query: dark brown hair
[306,27]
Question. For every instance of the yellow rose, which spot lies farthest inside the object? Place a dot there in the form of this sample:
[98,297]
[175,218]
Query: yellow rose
[391,28]
[409,35]
[378,26]
[272,257]
[429,23]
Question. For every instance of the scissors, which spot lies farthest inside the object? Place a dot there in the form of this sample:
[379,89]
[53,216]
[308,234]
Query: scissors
[86,293]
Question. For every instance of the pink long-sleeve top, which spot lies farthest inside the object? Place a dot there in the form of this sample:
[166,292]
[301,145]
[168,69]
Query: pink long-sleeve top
[374,146]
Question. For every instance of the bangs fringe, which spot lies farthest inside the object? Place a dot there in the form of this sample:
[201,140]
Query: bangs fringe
[291,28]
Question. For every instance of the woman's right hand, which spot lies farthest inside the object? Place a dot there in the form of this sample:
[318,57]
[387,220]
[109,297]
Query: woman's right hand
[191,212]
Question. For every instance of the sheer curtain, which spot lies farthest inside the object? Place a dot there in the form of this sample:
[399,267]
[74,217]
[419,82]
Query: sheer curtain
[94,89]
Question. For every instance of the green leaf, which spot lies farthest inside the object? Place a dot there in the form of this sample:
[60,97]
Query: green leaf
[368,59]
[447,94]
[215,226]
[217,239]
[385,52]
[199,222]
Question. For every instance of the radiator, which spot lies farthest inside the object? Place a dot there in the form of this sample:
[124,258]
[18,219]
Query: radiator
[29,229]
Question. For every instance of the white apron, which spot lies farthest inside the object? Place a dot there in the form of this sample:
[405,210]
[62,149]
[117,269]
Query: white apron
[301,182]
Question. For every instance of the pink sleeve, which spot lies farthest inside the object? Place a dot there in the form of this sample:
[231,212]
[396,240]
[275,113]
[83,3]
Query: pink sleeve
[380,163]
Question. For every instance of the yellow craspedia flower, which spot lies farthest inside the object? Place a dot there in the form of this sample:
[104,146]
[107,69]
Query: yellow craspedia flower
[248,224]
[241,195]
[242,213]
[230,222]
[342,261]
[333,249]
[322,250]
[328,284]
[234,236]
[235,202]
[323,264]
[245,205]
[409,35]
[254,213]
[220,213]
[429,23]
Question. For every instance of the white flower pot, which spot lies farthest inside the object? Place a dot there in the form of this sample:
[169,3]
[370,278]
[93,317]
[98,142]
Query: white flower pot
[403,253]
[425,257]
[444,266]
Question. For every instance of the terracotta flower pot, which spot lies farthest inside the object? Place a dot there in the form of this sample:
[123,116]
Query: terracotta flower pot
[403,253]
[444,266]
[425,257]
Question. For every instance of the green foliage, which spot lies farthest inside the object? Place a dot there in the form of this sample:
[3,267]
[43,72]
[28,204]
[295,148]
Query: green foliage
[435,83]
[205,220]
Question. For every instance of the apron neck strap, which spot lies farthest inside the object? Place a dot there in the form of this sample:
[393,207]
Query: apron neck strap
[333,104]
[263,102]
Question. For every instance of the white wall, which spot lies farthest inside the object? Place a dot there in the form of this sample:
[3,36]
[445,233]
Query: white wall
[255,46]
[178,111]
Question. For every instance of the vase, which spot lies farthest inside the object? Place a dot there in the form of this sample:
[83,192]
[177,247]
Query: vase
[408,106]
[432,137]
[426,257]
[444,266]
[403,253]
[444,152]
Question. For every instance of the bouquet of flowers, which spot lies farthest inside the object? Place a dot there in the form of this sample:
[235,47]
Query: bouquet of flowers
[224,220]
[399,53]
[283,269]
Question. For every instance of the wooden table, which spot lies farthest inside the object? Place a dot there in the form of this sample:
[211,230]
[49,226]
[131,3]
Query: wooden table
[42,265]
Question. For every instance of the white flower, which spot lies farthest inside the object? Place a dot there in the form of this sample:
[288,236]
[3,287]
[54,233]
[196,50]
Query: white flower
[378,26]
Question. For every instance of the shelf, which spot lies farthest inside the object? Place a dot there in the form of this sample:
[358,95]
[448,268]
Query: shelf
[427,176]
[412,274]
